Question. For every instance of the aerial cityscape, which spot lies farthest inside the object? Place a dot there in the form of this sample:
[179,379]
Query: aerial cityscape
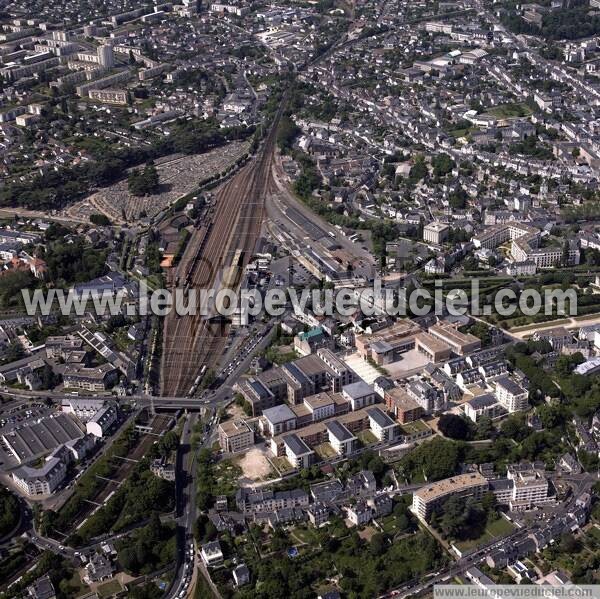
[299,299]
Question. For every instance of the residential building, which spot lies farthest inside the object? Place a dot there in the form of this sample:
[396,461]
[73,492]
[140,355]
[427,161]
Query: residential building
[297,451]
[235,436]
[359,395]
[483,405]
[435,233]
[383,427]
[404,407]
[277,420]
[211,554]
[101,422]
[427,498]
[340,438]
[511,395]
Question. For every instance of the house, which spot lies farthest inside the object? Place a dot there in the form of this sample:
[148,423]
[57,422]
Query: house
[241,575]
[568,463]
[42,588]
[98,568]
[327,491]
[306,343]
[318,514]
[360,513]
[211,554]
[381,505]
[362,483]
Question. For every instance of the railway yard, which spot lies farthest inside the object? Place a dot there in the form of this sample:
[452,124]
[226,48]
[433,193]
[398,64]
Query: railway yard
[193,341]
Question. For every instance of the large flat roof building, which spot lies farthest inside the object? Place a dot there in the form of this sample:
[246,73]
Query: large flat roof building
[426,499]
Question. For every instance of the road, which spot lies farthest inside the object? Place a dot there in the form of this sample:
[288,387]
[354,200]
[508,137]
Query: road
[186,503]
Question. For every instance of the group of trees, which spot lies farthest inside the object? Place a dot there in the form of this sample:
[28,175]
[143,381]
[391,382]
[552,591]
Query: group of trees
[434,460]
[460,518]
[149,548]
[9,511]
[100,219]
[365,568]
[143,182]
[142,493]
[206,480]
[55,189]
[88,486]
[574,22]
[74,261]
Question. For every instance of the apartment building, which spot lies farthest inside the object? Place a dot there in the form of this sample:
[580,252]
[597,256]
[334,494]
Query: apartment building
[109,96]
[251,500]
[426,499]
[98,378]
[404,407]
[511,395]
[44,480]
[435,233]
[340,438]
[277,420]
[297,452]
[359,395]
[235,436]
[296,380]
[383,427]
[530,486]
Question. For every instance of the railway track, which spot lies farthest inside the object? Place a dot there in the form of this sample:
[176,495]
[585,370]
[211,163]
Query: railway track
[193,341]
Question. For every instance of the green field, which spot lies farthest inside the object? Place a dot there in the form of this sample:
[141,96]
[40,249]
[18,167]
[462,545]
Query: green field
[109,588]
[496,528]
[505,111]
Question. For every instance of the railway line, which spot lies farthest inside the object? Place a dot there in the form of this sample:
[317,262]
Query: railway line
[194,341]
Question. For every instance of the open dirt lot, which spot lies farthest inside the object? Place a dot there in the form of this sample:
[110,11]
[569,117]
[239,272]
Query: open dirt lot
[255,465]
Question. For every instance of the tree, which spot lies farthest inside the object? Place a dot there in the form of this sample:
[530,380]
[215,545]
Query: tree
[100,219]
[454,427]
[378,544]
[145,182]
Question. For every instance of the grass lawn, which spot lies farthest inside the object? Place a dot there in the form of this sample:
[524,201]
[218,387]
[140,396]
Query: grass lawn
[389,524]
[594,532]
[367,437]
[325,451]
[418,426]
[109,588]
[304,535]
[457,133]
[510,110]
[226,476]
[281,464]
[495,528]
